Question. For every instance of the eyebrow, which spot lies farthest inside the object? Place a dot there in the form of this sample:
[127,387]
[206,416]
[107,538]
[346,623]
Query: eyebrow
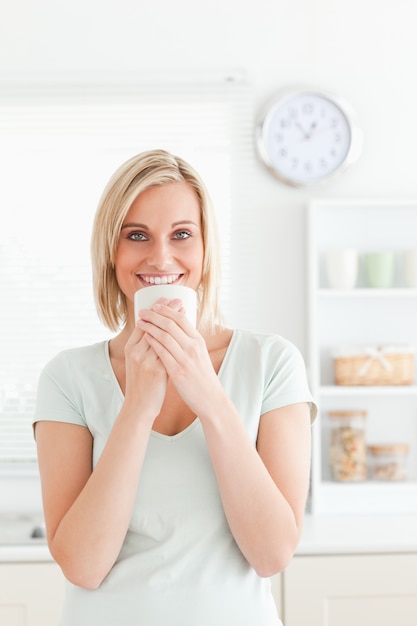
[144,227]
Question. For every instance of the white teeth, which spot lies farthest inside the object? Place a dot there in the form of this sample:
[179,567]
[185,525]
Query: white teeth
[160,280]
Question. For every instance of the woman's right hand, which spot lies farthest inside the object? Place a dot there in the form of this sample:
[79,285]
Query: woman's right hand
[146,376]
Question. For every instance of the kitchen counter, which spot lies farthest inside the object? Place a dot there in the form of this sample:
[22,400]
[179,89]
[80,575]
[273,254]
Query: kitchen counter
[22,538]
[38,553]
[321,536]
[358,535]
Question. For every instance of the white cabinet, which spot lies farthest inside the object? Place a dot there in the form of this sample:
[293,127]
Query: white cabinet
[361,316]
[359,590]
[31,594]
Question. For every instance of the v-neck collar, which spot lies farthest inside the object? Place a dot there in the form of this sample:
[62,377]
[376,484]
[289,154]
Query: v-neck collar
[196,421]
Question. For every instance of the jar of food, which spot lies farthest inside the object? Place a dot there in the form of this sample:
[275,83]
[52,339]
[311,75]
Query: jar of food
[348,445]
[388,461]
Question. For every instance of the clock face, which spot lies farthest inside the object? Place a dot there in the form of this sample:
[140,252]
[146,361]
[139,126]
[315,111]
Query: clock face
[305,137]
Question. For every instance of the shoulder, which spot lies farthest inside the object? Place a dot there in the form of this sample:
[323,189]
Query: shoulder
[71,364]
[68,380]
[81,356]
[266,345]
[274,357]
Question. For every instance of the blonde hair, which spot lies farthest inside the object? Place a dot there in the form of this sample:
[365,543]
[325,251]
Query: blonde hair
[145,170]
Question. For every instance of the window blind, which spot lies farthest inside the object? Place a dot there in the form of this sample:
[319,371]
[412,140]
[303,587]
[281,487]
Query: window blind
[59,144]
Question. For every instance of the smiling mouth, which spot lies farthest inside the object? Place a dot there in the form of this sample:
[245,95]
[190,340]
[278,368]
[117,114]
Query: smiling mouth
[166,279]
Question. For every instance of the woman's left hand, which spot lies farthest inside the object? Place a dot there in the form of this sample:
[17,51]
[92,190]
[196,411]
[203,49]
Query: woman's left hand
[183,352]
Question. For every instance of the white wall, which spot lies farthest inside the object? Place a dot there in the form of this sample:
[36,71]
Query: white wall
[365,50]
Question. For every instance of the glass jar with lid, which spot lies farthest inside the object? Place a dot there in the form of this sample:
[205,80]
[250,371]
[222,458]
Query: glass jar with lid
[388,461]
[348,445]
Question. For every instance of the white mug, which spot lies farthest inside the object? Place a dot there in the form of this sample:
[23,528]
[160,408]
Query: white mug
[410,268]
[342,266]
[146,297]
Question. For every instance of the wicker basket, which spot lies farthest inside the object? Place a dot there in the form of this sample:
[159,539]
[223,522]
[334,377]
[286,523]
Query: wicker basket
[374,365]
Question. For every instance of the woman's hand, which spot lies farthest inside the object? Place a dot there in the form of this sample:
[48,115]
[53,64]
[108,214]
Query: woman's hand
[146,373]
[183,352]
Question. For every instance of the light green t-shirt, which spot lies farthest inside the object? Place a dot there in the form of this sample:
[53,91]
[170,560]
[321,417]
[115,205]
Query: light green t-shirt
[179,564]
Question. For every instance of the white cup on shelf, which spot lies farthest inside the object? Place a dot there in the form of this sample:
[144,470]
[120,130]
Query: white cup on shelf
[410,268]
[342,266]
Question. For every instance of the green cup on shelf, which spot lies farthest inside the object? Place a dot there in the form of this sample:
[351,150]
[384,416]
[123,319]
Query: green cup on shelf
[380,269]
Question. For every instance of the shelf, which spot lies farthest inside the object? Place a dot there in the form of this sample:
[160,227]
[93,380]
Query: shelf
[361,316]
[359,292]
[366,498]
[370,486]
[367,390]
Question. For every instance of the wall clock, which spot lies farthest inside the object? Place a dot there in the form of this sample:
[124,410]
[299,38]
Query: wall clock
[305,136]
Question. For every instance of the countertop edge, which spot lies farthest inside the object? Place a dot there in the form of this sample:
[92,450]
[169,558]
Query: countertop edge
[340,535]
[25,554]
[322,535]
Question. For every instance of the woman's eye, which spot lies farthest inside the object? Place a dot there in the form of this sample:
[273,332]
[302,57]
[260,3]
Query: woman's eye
[182,234]
[137,236]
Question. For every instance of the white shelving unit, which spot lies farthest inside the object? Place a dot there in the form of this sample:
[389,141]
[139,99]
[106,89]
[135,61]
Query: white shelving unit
[361,316]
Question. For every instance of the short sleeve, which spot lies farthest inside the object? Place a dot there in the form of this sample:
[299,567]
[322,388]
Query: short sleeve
[57,396]
[285,378]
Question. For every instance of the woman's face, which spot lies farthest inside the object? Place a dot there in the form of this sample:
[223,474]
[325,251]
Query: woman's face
[161,241]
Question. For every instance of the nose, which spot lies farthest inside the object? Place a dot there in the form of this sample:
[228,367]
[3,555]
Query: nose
[160,255]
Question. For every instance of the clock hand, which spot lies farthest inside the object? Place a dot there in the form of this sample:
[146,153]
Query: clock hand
[302,130]
[307,135]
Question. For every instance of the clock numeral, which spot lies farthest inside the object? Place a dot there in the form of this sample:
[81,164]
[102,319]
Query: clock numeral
[323,164]
[279,137]
[292,112]
[294,163]
[284,123]
[334,122]
[308,166]
[283,153]
[308,108]
[337,137]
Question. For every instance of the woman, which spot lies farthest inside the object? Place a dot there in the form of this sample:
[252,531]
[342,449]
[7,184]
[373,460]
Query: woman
[174,461]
